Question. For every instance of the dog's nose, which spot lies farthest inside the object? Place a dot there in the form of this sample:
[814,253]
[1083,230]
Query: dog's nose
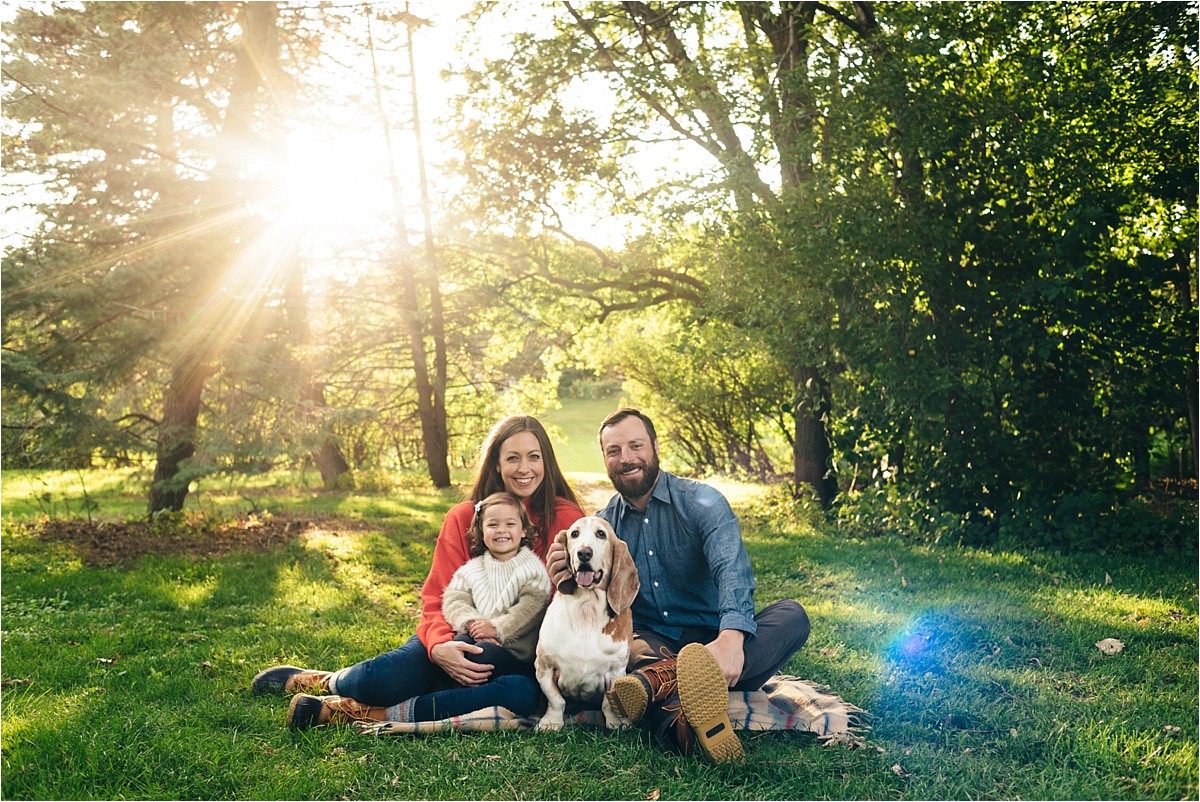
[584,554]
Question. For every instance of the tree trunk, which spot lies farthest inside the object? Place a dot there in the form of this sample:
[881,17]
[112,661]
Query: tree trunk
[181,402]
[435,430]
[330,460]
[177,437]
[1183,288]
[811,449]
[431,402]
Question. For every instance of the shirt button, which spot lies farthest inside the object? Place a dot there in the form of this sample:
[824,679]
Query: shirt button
[665,613]
[651,552]
[646,521]
[655,584]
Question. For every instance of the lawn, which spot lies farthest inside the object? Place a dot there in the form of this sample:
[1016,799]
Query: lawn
[125,672]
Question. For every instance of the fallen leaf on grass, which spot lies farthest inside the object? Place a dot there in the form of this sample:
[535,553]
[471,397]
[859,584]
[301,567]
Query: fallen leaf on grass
[8,683]
[653,794]
[1171,729]
[1110,645]
[206,664]
[899,771]
[108,661]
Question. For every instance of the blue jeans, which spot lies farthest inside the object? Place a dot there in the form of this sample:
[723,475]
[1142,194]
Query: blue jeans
[407,672]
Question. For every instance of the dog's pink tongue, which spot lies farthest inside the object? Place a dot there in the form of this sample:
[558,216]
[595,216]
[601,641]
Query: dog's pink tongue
[585,578]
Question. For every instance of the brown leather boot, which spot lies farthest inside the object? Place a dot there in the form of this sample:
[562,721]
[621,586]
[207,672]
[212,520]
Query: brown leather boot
[677,734]
[290,679]
[313,711]
[631,694]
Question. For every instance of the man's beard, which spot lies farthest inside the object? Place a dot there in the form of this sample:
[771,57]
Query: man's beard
[636,488]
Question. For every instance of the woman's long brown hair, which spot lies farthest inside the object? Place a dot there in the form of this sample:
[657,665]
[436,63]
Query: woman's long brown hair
[544,500]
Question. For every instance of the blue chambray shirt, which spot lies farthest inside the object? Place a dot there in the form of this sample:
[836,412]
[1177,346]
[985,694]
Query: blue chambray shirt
[692,564]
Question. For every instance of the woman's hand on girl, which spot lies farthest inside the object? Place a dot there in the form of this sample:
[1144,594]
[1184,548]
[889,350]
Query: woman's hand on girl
[451,656]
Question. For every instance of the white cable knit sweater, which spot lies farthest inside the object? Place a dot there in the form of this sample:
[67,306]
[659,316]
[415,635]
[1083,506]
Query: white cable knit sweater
[512,595]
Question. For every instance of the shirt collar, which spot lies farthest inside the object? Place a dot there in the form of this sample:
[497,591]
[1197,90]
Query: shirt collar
[661,492]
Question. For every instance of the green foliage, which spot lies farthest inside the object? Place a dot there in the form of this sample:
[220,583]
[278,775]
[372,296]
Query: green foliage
[978,666]
[1072,523]
[725,418]
[973,223]
[979,237]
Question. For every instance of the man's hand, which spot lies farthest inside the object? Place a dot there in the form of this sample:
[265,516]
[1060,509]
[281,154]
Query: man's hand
[451,656]
[727,648]
[557,564]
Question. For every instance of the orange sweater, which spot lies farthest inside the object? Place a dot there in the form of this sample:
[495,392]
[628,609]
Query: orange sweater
[451,552]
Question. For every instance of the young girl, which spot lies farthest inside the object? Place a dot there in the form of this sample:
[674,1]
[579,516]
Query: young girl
[500,595]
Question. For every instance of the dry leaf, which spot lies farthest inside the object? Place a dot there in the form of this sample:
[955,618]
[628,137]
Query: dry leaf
[206,664]
[1107,579]
[8,683]
[1171,729]
[899,771]
[1110,645]
[653,794]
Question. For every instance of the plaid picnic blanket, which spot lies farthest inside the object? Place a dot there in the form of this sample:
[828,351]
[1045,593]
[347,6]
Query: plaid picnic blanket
[784,703]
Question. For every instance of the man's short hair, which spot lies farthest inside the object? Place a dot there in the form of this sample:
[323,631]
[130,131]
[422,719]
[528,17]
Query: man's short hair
[621,414]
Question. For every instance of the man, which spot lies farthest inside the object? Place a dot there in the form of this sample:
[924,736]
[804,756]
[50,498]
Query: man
[695,631]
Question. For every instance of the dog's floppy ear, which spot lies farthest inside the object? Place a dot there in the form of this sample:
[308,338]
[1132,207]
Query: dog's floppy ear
[566,586]
[623,581]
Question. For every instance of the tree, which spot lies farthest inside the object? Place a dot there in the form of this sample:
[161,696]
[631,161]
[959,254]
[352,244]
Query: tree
[142,119]
[929,213]
[730,82]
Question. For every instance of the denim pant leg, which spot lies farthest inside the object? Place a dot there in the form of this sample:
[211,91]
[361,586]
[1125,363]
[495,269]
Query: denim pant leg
[502,660]
[520,693]
[392,677]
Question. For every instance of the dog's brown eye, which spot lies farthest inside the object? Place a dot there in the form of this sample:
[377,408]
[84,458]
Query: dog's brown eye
[574,533]
[601,534]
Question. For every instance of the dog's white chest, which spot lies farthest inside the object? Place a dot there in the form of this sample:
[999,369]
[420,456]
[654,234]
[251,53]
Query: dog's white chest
[572,639]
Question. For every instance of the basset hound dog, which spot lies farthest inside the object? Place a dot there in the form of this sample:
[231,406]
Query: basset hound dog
[584,641]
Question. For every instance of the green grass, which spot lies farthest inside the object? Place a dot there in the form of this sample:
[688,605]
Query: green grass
[979,668]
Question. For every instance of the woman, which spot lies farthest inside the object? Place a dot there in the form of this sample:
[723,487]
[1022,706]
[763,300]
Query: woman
[433,676]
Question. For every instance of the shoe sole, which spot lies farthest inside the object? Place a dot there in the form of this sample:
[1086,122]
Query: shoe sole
[704,697]
[628,698]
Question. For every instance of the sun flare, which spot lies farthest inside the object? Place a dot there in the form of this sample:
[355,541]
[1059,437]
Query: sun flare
[335,185]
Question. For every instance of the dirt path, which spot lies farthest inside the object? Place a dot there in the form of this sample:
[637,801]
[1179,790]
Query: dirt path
[594,493]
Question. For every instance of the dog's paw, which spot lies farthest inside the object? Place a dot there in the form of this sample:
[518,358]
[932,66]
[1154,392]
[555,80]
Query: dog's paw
[621,724]
[549,724]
